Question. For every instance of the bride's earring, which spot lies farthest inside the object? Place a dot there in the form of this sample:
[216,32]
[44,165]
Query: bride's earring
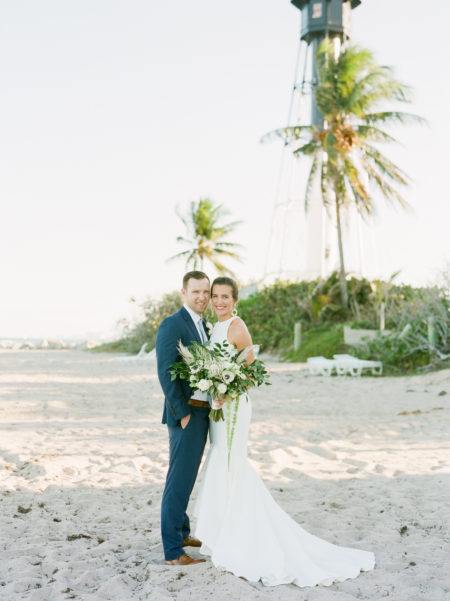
[234,313]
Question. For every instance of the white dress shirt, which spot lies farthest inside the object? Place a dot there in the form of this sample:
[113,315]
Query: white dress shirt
[198,321]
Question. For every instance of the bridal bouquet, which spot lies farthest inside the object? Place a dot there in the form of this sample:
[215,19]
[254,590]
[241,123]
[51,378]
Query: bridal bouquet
[221,371]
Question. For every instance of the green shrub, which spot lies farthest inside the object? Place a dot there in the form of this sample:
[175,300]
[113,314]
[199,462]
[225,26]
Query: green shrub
[324,341]
[395,353]
[419,319]
[271,313]
[363,324]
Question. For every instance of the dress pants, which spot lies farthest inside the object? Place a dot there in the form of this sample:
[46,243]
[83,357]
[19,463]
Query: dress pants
[185,454]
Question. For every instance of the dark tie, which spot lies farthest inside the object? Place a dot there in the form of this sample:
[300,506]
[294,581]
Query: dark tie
[202,329]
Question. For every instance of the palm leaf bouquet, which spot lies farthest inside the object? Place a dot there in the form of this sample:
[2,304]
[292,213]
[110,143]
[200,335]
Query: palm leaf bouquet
[220,370]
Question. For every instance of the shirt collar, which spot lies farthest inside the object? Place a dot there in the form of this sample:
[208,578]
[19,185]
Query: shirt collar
[195,316]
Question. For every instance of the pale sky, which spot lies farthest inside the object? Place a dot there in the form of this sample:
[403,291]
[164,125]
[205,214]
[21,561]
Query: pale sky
[114,111]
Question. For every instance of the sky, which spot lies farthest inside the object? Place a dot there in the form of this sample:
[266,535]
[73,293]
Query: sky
[116,112]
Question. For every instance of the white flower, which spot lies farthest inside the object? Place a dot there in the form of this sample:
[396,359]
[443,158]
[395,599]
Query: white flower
[214,370]
[205,385]
[209,327]
[228,376]
[221,388]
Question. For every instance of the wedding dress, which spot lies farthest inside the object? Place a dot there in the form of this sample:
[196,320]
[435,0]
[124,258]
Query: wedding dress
[245,531]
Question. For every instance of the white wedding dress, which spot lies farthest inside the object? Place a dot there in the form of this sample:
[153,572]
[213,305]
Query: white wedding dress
[244,530]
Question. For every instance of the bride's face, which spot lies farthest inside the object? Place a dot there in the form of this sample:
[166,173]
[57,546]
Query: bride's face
[222,301]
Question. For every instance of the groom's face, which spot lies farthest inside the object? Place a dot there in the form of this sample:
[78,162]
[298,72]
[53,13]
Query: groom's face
[197,294]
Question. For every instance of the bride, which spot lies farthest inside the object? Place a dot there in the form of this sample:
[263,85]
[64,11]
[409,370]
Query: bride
[242,527]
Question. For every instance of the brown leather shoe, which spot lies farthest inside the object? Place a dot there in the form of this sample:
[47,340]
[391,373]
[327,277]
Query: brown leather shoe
[183,560]
[190,541]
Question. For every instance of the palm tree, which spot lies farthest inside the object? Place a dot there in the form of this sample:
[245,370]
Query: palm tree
[205,237]
[344,155]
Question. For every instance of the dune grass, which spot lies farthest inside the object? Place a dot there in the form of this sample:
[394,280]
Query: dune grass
[325,341]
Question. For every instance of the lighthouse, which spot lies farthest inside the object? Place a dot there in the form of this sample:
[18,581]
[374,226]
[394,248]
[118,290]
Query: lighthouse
[321,19]
[303,243]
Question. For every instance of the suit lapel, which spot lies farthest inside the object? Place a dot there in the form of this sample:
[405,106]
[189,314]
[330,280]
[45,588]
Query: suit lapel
[190,324]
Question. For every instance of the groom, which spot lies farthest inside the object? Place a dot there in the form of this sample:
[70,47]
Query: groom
[186,414]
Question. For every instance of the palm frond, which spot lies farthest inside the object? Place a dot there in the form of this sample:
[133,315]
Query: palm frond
[312,178]
[324,183]
[179,255]
[385,165]
[387,191]
[184,240]
[228,245]
[288,134]
[228,253]
[306,149]
[393,117]
[374,134]
[360,193]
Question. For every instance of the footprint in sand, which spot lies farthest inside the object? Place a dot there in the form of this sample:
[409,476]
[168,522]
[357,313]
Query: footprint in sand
[352,470]
[321,452]
[356,462]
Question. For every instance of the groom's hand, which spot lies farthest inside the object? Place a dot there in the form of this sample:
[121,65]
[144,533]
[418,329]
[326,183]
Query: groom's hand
[185,420]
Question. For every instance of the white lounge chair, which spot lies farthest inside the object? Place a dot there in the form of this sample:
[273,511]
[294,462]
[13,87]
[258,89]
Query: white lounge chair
[342,365]
[320,366]
[354,366]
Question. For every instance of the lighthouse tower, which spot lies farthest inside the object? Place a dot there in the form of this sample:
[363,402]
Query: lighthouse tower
[304,243]
[320,19]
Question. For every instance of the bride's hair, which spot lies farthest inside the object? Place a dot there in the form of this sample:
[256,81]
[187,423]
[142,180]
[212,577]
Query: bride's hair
[226,281]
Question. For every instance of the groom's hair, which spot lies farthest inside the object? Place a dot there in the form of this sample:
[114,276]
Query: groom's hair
[193,275]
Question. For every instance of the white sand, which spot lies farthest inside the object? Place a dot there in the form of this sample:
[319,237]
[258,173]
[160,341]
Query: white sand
[83,452]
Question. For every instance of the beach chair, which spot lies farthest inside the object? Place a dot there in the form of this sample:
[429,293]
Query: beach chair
[320,366]
[142,353]
[347,364]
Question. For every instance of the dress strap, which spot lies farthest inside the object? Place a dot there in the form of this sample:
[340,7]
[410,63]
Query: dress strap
[230,321]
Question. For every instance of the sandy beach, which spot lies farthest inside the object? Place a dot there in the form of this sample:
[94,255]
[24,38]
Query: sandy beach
[361,462]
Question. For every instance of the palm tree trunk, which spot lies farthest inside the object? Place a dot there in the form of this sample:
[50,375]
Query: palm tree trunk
[342,280]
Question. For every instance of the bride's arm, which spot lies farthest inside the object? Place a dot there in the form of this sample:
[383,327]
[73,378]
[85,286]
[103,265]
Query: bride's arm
[239,335]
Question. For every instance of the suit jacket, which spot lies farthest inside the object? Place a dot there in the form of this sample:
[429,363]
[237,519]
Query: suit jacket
[174,328]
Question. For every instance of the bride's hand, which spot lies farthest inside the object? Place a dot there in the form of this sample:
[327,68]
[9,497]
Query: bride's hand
[221,400]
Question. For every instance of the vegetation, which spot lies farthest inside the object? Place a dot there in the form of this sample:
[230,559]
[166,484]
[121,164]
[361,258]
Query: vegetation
[417,320]
[343,150]
[206,237]
[420,334]
[134,336]
[325,341]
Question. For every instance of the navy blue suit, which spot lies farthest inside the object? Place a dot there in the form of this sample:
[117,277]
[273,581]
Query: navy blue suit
[186,445]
